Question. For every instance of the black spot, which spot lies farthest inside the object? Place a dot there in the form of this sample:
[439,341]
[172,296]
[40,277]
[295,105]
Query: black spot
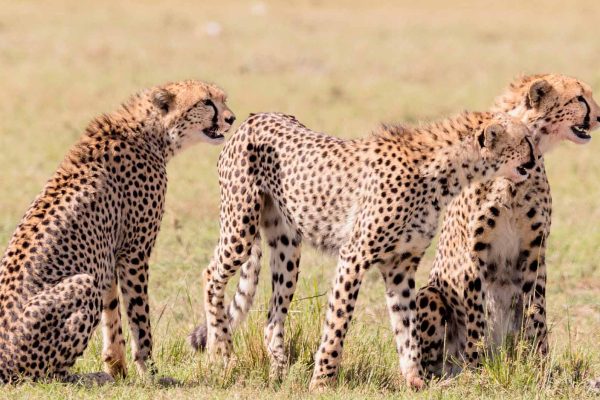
[479,246]
[398,279]
[533,266]
[537,241]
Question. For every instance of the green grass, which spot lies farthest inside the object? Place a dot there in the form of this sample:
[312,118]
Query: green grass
[340,68]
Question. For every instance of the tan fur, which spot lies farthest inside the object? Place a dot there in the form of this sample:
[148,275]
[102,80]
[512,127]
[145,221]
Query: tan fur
[88,236]
[373,201]
[488,280]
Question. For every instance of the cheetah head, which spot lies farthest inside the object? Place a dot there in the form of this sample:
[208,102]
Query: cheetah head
[506,145]
[192,111]
[554,107]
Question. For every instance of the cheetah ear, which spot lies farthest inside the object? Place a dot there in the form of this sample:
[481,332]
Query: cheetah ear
[537,91]
[163,99]
[489,136]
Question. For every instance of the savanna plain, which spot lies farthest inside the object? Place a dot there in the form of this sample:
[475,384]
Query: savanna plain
[341,68]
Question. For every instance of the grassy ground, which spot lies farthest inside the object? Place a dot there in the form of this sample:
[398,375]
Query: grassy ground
[341,69]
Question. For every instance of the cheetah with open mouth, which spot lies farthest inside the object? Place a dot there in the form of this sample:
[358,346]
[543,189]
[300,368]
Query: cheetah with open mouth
[488,280]
[373,201]
[89,235]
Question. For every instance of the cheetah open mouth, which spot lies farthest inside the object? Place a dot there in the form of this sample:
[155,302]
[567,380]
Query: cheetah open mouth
[213,132]
[213,135]
[582,133]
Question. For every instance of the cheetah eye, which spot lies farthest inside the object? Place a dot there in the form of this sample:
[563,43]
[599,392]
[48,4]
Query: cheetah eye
[208,102]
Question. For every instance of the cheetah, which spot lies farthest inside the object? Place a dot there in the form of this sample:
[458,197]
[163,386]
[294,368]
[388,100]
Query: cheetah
[373,201]
[90,232]
[489,274]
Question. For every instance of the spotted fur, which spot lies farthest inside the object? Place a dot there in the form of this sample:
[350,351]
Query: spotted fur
[488,280]
[374,202]
[88,236]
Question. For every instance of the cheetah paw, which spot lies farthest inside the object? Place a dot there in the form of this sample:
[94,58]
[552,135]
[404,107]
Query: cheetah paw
[320,385]
[277,372]
[415,382]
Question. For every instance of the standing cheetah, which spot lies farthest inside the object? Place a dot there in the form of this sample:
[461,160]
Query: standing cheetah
[90,232]
[490,270]
[374,201]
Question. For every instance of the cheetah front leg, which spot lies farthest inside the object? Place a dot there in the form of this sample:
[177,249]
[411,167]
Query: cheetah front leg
[133,280]
[534,294]
[398,276]
[348,278]
[482,225]
[113,351]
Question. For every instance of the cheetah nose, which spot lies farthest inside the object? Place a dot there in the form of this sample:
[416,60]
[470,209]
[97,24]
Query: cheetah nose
[230,120]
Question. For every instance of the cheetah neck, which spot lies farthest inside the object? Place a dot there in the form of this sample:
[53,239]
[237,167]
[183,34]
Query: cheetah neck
[538,126]
[138,125]
[457,167]
[453,157]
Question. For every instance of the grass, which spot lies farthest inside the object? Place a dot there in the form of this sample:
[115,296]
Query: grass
[340,68]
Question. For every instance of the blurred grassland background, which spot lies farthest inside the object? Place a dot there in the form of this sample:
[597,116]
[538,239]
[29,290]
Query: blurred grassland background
[342,68]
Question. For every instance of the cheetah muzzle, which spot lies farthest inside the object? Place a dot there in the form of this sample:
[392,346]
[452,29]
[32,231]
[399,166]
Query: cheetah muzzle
[522,170]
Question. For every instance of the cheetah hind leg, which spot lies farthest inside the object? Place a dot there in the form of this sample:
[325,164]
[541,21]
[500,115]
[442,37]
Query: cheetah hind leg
[242,301]
[65,316]
[437,332]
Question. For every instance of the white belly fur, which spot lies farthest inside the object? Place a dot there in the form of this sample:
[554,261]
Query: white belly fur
[502,293]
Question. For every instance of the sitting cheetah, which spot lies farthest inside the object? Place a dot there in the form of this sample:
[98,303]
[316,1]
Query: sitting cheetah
[374,201]
[91,231]
[489,270]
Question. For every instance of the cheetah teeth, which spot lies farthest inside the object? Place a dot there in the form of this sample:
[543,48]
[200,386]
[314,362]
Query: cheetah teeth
[580,132]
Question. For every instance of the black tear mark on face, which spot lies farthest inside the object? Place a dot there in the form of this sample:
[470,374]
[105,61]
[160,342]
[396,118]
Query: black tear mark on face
[586,119]
[209,103]
[531,163]
[481,139]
